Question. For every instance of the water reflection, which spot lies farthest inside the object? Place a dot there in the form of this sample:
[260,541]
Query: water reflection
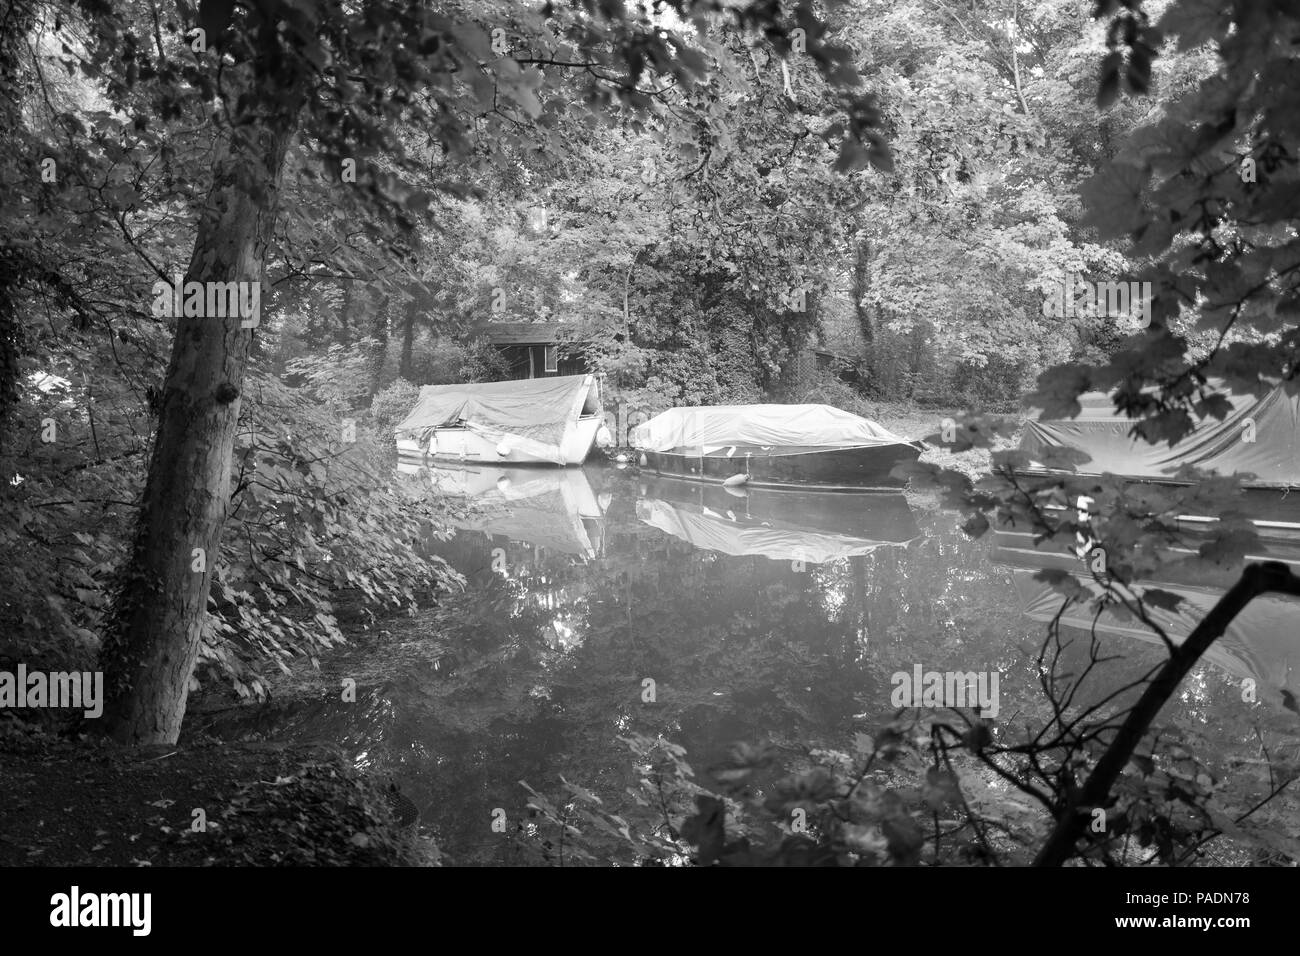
[812,527]
[768,617]
[1261,644]
[554,508]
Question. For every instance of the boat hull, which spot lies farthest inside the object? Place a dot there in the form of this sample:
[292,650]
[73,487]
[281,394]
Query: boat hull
[854,468]
[1265,505]
[1181,555]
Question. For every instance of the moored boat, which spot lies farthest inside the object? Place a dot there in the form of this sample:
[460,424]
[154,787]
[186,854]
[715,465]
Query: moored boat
[546,421]
[1258,439]
[775,446]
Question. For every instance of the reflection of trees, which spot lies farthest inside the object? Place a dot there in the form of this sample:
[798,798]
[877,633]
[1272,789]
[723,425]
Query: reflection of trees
[479,693]
[739,648]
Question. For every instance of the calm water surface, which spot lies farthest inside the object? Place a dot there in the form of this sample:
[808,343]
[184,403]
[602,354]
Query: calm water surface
[765,617]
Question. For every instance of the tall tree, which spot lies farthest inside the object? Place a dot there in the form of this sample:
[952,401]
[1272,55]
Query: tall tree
[154,635]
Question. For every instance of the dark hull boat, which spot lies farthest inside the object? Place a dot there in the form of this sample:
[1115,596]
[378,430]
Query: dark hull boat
[1265,506]
[777,446]
[850,469]
[1179,556]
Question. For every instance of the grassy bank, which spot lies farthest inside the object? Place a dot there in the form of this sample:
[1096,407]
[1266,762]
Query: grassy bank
[912,422]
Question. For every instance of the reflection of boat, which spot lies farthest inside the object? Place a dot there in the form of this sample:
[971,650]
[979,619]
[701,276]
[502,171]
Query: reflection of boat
[776,445]
[554,508]
[1258,436]
[787,525]
[1261,643]
[531,421]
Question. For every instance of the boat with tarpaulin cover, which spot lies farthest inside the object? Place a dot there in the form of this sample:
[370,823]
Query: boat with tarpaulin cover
[774,445]
[541,421]
[1258,439]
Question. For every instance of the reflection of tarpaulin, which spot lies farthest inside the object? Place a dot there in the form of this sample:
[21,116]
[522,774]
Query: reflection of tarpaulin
[535,410]
[547,520]
[544,507]
[775,425]
[1273,456]
[716,532]
[1262,642]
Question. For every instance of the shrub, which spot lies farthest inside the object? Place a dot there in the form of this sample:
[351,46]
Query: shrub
[389,406]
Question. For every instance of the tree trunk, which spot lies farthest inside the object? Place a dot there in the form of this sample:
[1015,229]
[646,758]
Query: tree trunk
[408,338]
[861,286]
[154,632]
[345,310]
[380,335]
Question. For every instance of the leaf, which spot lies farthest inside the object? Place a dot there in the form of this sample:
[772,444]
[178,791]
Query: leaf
[978,736]
[1113,199]
[940,790]
[1228,547]
[852,157]
[1196,22]
[904,838]
[1064,583]
[1108,84]
[706,831]
[1158,597]
[579,792]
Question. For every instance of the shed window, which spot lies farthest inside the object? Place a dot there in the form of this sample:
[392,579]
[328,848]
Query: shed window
[551,357]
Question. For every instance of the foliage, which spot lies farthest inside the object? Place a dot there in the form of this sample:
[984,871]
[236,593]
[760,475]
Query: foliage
[390,405]
[316,522]
[322,815]
[452,363]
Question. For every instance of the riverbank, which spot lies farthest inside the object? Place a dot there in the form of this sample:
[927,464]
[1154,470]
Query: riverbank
[913,422]
[88,802]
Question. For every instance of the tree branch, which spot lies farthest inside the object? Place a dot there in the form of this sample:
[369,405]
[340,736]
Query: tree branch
[1256,579]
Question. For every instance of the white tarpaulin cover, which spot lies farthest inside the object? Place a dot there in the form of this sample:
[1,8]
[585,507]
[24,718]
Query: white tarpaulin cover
[535,408]
[717,425]
[1260,436]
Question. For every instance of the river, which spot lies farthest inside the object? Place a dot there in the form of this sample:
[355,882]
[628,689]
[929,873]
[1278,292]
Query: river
[599,605]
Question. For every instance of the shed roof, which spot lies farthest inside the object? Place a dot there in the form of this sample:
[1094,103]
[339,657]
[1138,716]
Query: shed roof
[527,333]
